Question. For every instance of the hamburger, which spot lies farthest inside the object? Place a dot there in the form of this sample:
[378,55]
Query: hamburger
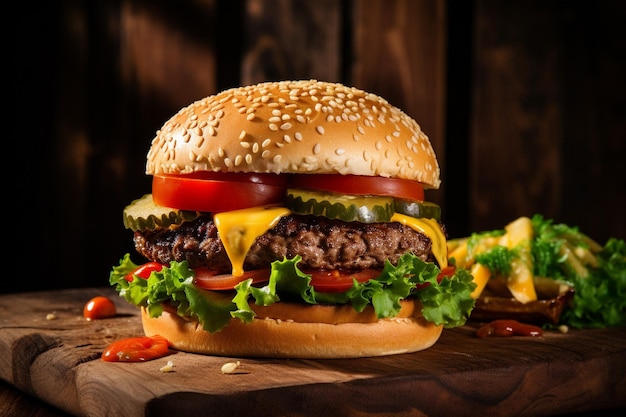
[288,219]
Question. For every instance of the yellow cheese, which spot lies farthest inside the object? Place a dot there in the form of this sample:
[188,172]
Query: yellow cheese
[519,235]
[239,229]
[480,274]
[460,255]
[430,228]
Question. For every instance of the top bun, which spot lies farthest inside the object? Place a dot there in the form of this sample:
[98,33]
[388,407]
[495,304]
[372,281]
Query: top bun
[297,127]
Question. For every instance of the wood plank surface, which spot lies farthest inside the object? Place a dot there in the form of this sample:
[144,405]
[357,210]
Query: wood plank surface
[58,361]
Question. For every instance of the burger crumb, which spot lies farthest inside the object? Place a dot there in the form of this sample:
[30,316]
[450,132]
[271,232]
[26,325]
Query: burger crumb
[169,367]
[51,316]
[230,367]
[563,328]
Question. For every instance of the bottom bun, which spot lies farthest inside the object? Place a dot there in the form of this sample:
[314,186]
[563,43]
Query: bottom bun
[280,338]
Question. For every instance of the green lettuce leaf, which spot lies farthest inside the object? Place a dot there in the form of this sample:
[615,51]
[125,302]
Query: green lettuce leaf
[445,303]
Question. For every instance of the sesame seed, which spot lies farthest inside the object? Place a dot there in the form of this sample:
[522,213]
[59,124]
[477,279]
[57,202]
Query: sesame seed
[266,143]
[248,158]
[273,127]
[238,160]
[287,138]
[277,158]
[245,144]
[250,117]
[242,135]
[285,126]
[317,148]
[300,118]
[265,154]
[340,151]
[298,136]
[274,119]
[330,118]
[275,112]
[319,129]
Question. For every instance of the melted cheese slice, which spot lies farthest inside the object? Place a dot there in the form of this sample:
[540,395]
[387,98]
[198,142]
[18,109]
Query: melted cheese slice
[430,228]
[239,229]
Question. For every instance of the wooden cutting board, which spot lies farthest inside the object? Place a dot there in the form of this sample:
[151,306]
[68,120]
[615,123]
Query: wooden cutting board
[58,361]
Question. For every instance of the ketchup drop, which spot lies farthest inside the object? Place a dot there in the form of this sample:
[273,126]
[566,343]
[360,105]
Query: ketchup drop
[503,328]
[137,349]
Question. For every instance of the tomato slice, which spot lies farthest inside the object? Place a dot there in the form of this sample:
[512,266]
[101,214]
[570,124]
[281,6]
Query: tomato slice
[360,185]
[144,271]
[136,349]
[218,191]
[322,281]
[446,272]
[339,281]
[211,280]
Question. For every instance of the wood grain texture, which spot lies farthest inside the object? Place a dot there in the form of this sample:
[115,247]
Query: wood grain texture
[398,52]
[544,100]
[291,40]
[59,362]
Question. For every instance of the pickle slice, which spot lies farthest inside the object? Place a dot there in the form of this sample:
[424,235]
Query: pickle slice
[143,214]
[365,209]
[417,209]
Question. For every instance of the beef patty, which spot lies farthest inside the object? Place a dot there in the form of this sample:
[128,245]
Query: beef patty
[321,242]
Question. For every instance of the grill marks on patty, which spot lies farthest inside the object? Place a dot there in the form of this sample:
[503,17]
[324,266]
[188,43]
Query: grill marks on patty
[321,242]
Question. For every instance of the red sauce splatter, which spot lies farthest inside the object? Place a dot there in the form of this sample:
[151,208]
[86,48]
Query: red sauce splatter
[137,349]
[508,328]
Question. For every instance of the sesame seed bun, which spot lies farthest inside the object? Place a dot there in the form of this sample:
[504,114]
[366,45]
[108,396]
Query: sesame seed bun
[297,127]
[326,332]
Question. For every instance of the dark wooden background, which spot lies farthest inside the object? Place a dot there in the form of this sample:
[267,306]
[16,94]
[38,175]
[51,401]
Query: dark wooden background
[524,101]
